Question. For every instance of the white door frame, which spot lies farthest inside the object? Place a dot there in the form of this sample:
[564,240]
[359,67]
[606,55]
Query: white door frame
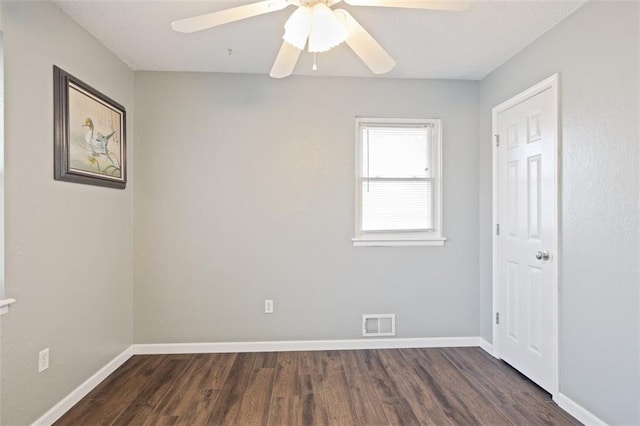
[551,83]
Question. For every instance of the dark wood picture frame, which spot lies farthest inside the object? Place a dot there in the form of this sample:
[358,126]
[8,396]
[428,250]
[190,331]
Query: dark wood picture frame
[89,134]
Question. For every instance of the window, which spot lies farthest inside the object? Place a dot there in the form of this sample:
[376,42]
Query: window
[398,182]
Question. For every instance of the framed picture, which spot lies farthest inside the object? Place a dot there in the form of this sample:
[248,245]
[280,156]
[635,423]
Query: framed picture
[89,134]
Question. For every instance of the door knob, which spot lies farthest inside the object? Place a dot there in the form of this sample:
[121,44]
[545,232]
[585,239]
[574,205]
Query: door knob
[543,255]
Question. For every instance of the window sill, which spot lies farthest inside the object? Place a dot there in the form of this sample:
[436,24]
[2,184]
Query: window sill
[4,305]
[398,242]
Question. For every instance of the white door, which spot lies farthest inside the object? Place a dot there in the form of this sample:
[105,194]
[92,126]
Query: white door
[526,209]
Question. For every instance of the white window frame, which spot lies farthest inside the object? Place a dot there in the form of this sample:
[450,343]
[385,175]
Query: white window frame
[391,238]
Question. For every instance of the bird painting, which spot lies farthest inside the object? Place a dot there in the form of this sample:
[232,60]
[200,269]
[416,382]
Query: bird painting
[95,140]
[97,143]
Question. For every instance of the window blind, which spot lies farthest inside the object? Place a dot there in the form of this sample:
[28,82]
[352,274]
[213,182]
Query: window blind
[397,178]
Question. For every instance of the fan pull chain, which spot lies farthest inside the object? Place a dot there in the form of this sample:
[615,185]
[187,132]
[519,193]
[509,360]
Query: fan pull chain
[315,65]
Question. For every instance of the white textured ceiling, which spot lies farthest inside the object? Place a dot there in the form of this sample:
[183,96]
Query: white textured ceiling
[425,44]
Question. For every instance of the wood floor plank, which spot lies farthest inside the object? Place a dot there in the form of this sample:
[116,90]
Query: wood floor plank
[93,412]
[200,411]
[418,394]
[266,360]
[154,391]
[313,407]
[396,408]
[530,410]
[227,406]
[217,371]
[311,362]
[506,392]
[336,393]
[109,399]
[132,387]
[512,393]
[105,404]
[366,402]
[183,390]
[452,392]
[287,375]
[254,409]
[208,377]
[285,395]
[160,420]
[313,410]
[284,411]
[117,380]
[371,387]
[499,382]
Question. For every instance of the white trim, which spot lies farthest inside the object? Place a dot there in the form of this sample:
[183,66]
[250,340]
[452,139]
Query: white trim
[551,83]
[304,345]
[81,391]
[387,242]
[583,415]
[4,305]
[487,347]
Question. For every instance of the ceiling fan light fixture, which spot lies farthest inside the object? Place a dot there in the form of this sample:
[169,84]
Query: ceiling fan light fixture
[319,24]
[298,27]
[326,30]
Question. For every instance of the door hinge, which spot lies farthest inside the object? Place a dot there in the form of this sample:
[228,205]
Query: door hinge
[497,140]
[497,229]
[497,317]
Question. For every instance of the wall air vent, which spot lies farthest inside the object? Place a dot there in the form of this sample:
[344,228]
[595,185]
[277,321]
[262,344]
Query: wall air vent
[379,325]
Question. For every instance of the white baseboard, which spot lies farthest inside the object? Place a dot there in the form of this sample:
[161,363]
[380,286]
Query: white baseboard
[583,415]
[81,391]
[304,345]
[487,347]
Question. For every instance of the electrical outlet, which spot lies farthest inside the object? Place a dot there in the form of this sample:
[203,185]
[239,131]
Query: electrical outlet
[268,306]
[43,360]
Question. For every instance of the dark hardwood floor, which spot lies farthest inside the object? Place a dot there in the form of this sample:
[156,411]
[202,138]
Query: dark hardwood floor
[453,386]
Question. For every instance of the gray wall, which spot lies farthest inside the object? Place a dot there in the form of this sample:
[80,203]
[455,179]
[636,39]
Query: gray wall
[596,53]
[71,275]
[244,191]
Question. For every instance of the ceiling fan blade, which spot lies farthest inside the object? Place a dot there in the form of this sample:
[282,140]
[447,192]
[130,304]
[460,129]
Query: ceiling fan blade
[365,46]
[286,61]
[453,5]
[202,22]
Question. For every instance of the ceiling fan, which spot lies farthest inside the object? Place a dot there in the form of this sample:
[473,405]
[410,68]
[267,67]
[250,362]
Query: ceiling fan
[318,26]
